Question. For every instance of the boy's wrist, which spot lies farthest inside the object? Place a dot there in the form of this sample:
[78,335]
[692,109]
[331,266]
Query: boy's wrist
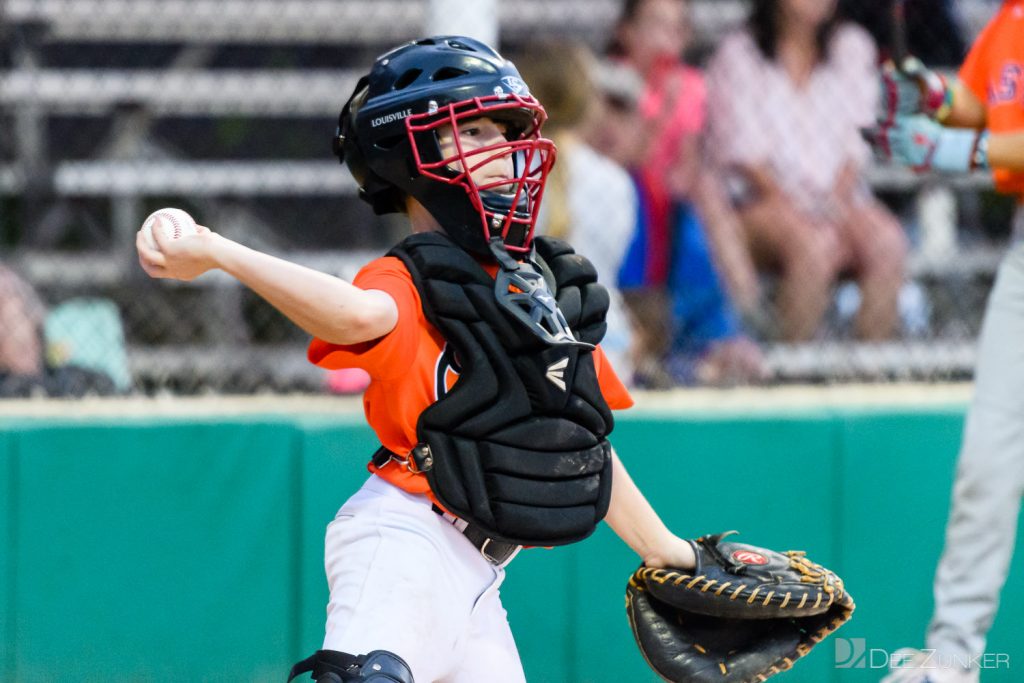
[218,250]
[672,551]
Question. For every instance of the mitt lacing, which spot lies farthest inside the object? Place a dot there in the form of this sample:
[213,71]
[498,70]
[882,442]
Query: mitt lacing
[814,573]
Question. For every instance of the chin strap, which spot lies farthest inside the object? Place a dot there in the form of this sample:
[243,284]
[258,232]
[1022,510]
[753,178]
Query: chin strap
[521,289]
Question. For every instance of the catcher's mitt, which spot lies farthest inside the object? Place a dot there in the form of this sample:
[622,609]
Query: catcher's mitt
[742,615]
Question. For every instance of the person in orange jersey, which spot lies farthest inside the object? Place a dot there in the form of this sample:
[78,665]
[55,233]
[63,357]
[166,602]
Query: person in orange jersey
[489,391]
[973,123]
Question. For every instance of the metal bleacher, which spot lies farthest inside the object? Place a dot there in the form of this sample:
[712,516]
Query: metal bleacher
[132,170]
[32,91]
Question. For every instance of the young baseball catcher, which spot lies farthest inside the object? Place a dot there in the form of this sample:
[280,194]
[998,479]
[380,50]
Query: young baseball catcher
[491,397]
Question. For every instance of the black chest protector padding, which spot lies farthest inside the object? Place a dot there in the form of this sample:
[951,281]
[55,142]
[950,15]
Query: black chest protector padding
[519,444]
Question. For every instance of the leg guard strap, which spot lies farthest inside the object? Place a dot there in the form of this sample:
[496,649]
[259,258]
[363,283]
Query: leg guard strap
[331,666]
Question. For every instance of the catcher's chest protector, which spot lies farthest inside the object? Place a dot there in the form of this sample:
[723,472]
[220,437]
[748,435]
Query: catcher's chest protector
[517,447]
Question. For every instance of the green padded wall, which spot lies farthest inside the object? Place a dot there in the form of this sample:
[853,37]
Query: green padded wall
[898,471]
[334,457]
[8,551]
[191,549]
[154,552]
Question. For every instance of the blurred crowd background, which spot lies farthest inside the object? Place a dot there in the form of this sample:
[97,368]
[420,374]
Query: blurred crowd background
[710,163]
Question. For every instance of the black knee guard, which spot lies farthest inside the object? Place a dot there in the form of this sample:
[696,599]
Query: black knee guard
[331,666]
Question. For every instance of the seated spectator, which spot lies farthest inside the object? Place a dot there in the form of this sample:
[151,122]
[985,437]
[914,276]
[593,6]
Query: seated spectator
[24,370]
[589,200]
[21,347]
[788,95]
[690,332]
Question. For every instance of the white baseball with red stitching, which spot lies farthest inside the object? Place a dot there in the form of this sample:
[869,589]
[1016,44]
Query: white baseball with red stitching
[175,223]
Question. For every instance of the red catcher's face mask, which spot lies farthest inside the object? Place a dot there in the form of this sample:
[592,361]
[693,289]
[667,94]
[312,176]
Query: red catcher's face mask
[504,181]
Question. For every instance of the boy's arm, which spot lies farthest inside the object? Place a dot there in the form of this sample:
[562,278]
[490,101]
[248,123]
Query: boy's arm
[324,306]
[966,110]
[638,525]
[1005,150]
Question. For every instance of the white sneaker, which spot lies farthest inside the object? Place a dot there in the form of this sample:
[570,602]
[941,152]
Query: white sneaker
[915,666]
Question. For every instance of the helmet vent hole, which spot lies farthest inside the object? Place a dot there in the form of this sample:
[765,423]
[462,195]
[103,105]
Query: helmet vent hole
[389,142]
[424,41]
[447,72]
[407,78]
[459,45]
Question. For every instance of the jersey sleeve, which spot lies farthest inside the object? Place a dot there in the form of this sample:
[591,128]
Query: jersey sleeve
[614,391]
[992,73]
[392,354]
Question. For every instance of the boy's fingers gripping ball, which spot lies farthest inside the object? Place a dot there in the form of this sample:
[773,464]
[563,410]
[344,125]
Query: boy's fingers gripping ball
[174,223]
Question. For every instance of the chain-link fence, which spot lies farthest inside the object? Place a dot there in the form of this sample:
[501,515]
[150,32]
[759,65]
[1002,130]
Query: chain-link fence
[110,109]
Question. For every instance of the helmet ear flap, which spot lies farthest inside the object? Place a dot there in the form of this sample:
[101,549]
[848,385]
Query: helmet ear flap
[384,197]
[381,195]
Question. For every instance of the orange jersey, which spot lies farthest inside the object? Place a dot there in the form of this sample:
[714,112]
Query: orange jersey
[411,367]
[994,73]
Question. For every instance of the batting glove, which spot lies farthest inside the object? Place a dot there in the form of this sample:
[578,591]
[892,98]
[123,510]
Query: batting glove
[924,145]
[913,88]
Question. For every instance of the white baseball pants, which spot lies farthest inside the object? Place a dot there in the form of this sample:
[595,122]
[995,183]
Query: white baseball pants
[982,525]
[405,580]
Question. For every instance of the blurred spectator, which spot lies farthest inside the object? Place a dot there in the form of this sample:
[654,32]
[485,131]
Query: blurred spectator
[21,317]
[787,98]
[24,370]
[687,324]
[589,200]
[650,36]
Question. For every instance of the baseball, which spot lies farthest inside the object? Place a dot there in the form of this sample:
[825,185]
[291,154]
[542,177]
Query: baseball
[174,223]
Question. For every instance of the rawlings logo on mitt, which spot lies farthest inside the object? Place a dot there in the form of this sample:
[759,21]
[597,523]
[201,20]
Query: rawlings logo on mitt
[742,615]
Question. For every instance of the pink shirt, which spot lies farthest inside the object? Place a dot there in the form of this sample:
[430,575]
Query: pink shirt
[806,134]
[673,104]
[672,110]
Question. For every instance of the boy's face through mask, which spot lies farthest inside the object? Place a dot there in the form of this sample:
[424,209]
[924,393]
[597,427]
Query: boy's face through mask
[474,135]
[491,147]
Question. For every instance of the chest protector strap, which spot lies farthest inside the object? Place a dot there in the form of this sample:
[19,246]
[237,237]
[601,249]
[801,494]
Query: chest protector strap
[518,446]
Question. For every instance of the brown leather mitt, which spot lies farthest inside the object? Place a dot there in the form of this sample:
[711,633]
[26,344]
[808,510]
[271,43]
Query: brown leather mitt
[742,615]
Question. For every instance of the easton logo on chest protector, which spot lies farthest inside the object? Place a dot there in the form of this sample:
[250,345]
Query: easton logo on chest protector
[556,373]
[517,444]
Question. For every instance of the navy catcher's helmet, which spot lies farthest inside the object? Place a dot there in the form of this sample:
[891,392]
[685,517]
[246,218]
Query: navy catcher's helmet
[388,136]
